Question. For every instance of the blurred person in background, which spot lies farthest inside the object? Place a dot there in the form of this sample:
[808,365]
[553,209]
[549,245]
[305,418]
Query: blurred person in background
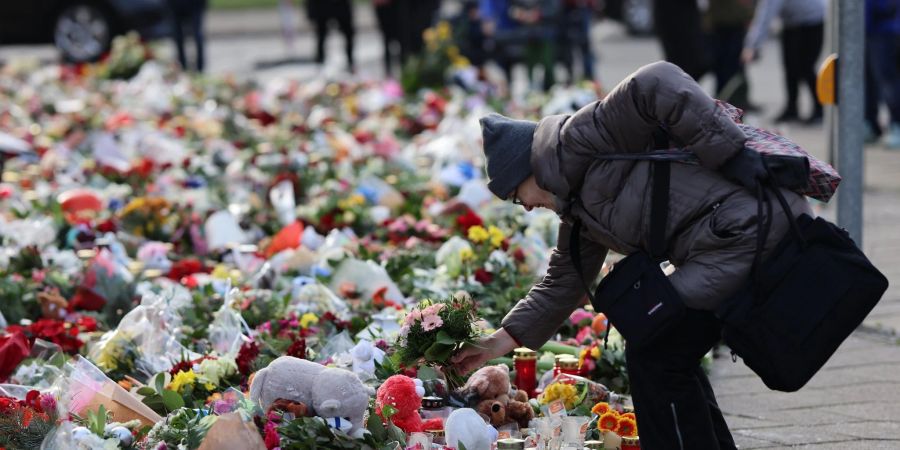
[726,23]
[188,18]
[574,37]
[679,28]
[803,23]
[469,34]
[387,14]
[322,13]
[882,74]
[414,17]
[537,20]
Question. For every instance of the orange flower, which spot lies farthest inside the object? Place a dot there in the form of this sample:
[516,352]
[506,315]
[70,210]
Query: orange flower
[630,416]
[626,427]
[600,408]
[609,421]
[127,385]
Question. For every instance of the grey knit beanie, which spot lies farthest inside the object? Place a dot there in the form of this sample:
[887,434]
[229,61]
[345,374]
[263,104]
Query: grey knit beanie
[507,152]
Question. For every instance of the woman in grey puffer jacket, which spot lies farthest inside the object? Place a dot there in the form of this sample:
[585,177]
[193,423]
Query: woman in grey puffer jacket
[710,233]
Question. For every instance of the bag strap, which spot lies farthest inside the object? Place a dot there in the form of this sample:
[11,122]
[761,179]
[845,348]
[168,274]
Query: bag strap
[659,211]
[765,226]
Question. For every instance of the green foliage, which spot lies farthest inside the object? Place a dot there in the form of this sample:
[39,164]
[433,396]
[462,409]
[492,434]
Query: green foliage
[184,427]
[436,346]
[160,399]
[96,421]
[13,436]
[310,433]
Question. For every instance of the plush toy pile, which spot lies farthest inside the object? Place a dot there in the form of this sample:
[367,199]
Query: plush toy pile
[206,263]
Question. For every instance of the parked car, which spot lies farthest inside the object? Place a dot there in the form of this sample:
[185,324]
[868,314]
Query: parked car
[82,30]
[636,15]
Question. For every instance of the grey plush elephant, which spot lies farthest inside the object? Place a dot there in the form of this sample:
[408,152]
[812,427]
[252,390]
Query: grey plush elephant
[328,392]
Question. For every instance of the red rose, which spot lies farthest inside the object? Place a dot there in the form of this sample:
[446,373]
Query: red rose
[13,349]
[186,267]
[468,220]
[247,354]
[483,276]
[297,349]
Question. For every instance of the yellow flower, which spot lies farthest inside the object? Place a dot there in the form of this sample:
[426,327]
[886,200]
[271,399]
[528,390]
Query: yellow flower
[478,234]
[221,272]
[496,235]
[560,391]
[182,379]
[443,30]
[596,352]
[308,319]
[466,254]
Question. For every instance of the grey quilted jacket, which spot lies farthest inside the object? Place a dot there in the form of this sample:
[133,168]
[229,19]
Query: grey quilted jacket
[711,228]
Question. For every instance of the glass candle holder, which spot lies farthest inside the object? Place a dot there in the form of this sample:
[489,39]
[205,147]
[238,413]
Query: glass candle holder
[525,361]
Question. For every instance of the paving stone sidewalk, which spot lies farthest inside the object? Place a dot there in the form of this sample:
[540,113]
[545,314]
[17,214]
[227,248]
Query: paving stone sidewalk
[853,403]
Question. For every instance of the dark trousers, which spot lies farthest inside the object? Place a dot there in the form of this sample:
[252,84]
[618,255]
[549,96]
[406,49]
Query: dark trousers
[882,78]
[326,12]
[681,35]
[800,48]
[674,402]
[575,38]
[388,17]
[188,18]
[725,45]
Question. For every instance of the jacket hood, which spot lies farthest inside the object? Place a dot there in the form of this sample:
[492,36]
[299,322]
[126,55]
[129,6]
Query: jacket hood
[554,170]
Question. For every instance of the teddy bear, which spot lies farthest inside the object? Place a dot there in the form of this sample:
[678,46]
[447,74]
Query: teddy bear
[405,395]
[492,395]
[327,392]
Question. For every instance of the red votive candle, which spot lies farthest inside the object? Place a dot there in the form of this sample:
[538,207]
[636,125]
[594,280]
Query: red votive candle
[525,361]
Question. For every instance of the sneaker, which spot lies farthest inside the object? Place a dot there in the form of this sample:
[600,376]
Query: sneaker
[892,139]
[815,118]
[787,116]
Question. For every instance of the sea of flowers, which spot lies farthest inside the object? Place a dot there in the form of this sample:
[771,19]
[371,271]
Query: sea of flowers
[164,237]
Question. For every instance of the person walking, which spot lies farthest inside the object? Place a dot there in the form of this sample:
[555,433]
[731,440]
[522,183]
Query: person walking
[387,13]
[324,12]
[710,233]
[882,73]
[726,25]
[803,23]
[188,19]
[574,38]
[679,28]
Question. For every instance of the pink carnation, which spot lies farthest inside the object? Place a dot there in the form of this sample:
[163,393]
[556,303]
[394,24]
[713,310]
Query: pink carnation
[431,322]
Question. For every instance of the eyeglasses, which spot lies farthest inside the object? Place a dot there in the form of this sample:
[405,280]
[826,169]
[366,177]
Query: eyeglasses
[515,197]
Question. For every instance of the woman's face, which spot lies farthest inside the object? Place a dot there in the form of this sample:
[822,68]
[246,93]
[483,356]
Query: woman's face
[530,196]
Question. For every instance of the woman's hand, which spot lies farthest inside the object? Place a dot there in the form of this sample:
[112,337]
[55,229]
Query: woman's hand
[474,356]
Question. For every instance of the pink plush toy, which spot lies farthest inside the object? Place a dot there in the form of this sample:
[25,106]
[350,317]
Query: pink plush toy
[405,394]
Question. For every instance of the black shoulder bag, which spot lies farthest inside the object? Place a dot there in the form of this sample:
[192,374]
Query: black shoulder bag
[636,295]
[802,302]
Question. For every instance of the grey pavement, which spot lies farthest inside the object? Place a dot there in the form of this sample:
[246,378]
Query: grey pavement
[853,403]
